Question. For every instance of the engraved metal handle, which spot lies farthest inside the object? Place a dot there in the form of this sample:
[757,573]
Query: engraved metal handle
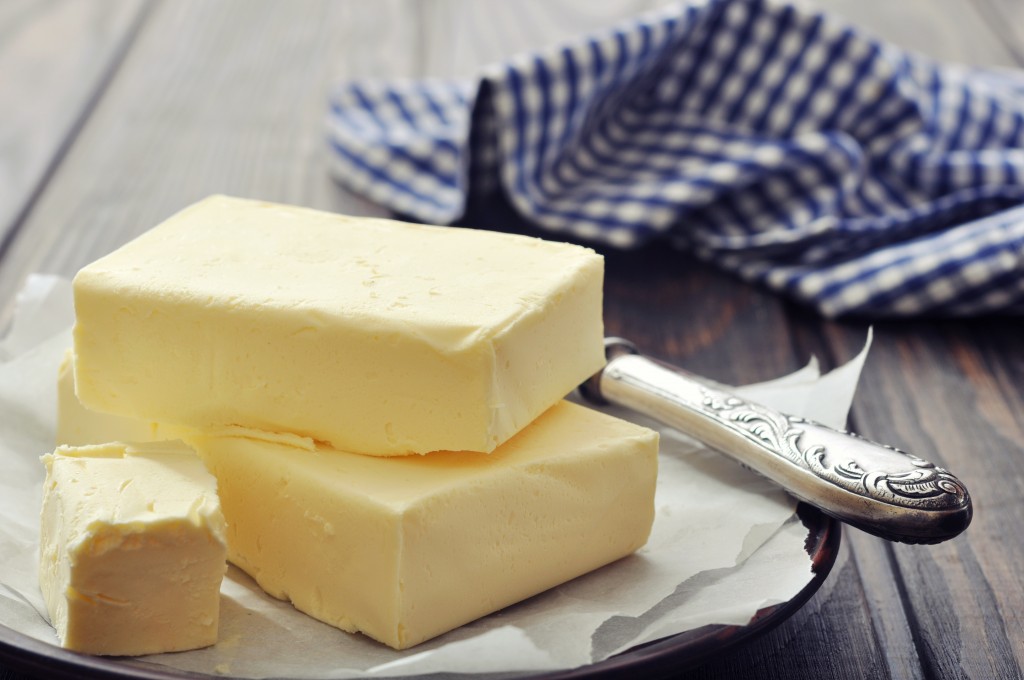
[873,487]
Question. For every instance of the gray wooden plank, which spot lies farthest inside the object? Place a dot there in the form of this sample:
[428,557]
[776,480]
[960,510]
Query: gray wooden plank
[949,391]
[949,30]
[462,35]
[1006,19]
[46,91]
[214,97]
[889,620]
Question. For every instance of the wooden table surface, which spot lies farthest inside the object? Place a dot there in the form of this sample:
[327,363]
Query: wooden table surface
[113,115]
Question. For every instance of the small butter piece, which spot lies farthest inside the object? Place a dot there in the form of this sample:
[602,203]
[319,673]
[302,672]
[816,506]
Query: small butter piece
[405,549]
[375,336]
[132,549]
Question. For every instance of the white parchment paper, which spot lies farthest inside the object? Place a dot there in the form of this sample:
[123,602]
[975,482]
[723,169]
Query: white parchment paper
[725,543]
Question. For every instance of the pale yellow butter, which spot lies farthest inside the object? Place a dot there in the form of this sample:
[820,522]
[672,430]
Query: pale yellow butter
[132,549]
[404,549]
[376,336]
[77,426]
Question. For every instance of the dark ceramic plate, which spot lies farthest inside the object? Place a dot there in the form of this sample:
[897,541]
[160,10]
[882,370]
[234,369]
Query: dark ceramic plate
[662,658]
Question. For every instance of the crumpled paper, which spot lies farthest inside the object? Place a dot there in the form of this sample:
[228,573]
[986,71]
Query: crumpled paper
[725,543]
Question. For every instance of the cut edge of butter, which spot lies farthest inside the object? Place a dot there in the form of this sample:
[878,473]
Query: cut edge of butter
[132,548]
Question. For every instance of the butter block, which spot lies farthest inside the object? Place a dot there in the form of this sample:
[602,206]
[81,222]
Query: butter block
[375,336]
[405,549]
[77,426]
[132,548]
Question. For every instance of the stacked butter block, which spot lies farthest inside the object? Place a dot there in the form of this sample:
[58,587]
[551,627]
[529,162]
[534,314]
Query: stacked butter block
[381,404]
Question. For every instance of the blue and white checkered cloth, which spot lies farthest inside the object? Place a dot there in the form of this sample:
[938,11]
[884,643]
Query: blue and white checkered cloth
[779,144]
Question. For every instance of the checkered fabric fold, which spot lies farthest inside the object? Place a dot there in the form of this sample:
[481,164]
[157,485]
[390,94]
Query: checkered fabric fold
[777,143]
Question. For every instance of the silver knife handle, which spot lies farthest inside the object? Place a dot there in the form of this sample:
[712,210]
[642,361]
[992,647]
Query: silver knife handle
[873,487]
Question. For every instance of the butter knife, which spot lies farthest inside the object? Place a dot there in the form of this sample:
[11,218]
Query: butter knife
[876,488]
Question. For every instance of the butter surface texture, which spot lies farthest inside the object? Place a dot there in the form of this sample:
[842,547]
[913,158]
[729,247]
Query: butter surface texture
[132,548]
[375,336]
[77,426]
[405,549]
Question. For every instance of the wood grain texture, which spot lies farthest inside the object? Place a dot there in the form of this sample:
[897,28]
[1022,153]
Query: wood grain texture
[460,36]
[1005,19]
[941,389]
[948,30]
[46,92]
[213,98]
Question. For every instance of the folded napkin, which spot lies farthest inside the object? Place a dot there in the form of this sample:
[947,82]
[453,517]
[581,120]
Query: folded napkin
[777,143]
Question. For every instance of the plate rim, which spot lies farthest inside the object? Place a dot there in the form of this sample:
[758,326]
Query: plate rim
[684,651]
